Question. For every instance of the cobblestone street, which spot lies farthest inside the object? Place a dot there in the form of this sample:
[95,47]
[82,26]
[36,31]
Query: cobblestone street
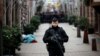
[74,47]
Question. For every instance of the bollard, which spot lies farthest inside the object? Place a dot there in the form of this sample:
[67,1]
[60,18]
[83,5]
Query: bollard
[85,38]
[78,31]
[94,45]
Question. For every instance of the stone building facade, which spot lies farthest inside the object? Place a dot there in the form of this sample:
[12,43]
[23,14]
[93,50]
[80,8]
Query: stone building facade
[91,11]
[96,5]
[72,7]
[1,17]
[14,12]
[17,11]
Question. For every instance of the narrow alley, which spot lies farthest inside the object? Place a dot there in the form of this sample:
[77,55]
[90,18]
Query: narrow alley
[74,47]
[23,24]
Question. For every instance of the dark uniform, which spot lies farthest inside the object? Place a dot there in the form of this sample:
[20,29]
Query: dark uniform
[55,49]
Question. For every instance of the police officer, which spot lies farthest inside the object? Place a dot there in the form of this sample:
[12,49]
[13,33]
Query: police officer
[54,38]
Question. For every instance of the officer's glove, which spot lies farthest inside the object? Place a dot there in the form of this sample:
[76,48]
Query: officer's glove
[58,37]
[53,39]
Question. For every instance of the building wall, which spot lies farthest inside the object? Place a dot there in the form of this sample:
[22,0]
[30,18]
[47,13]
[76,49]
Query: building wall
[63,3]
[73,7]
[1,17]
[9,12]
[28,9]
[88,12]
[17,12]
[12,13]
[92,13]
[97,21]
[33,8]
[97,15]
[1,11]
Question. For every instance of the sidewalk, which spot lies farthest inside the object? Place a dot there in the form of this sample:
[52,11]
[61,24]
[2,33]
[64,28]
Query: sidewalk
[75,46]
